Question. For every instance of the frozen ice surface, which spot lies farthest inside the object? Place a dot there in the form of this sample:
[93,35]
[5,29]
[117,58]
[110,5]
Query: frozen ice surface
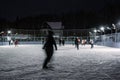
[25,63]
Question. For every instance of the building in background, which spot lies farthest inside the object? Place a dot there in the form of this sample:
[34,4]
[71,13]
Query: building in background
[57,28]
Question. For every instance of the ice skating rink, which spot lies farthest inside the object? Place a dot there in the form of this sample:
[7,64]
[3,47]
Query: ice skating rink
[25,63]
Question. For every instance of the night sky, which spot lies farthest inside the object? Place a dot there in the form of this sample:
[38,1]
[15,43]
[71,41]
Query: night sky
[10,9]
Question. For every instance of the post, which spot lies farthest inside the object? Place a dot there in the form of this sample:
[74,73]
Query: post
[115,35]
[2,39]
[115,31]
[95,31]
[34,35]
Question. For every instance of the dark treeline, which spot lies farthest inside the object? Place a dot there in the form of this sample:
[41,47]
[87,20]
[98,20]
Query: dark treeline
[71,20]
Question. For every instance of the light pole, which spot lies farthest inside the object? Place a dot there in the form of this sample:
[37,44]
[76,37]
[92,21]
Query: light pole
[90,34]
[95,31]
[115,28]
[9,36]
[110,30]
[102,29]
[2,36]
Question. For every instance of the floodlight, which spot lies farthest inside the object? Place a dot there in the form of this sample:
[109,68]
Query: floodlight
[8,31]
[95,30]
[102,28]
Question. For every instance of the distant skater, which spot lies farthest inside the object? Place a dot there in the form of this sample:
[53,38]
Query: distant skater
[60,41]
[16,43]
[91,42]
[49,49]
[77,43]
[9,42]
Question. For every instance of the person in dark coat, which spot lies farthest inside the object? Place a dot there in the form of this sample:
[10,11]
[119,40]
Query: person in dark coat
[49,49]
[77,43]
[60,41]
[9,42]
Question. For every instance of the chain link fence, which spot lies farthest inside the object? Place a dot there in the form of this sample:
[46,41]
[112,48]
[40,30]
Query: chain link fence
[39,36]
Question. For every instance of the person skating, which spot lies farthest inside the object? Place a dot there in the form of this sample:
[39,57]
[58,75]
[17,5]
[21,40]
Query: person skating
[16,43]
[77,43]
[91,42]
[60,41]
[49,49]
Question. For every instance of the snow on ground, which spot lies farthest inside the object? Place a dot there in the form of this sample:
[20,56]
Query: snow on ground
[25,63]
